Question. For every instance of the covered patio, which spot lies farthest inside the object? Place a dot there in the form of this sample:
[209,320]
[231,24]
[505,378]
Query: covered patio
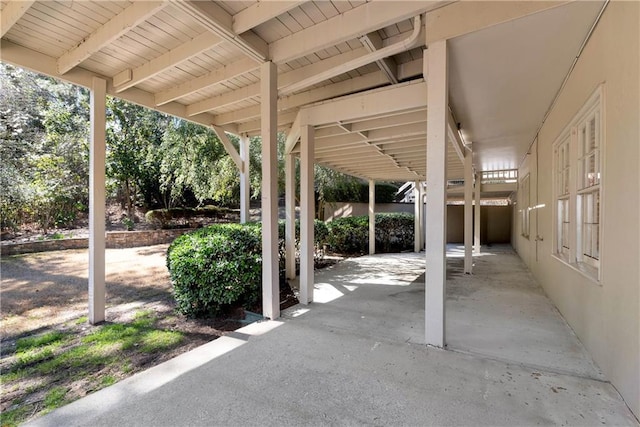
[443,94]
[357,356]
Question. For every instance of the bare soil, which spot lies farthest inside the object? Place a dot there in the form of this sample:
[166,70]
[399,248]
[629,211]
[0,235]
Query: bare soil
[47,291]
[42,290]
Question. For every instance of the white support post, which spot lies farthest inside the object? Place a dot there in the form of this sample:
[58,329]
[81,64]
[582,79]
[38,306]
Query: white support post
[97,154]
[417,220]
[372,217]
[435,65]
[476,218]
[468,212]
[268,113]
[423,216]
[307,213]
[290,211]
[245,187]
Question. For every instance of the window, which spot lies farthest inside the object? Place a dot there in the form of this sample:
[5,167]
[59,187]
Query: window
[577,188]
[524,192]
[562,175]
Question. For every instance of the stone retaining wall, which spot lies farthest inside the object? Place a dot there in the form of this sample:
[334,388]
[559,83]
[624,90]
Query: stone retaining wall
[115,239]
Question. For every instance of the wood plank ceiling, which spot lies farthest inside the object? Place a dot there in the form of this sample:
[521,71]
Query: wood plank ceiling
[199,60]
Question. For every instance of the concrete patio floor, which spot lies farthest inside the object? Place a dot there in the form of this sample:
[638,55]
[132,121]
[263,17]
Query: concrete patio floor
[356,356]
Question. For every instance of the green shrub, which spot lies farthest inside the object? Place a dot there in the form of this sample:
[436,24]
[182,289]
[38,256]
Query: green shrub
[215,268]
[220,266]
[394,232]
[350,235]
[320,232]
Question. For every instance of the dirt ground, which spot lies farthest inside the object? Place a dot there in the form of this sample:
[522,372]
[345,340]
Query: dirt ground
[42,290]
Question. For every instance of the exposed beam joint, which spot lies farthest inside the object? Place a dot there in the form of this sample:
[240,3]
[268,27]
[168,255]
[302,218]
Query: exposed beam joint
[131,77]
[357,84]
[253,90]
[260,13]
[12,13]
[284,121]
[229,147]
[412,41]
[215,19]
[119,25]
[293,136]
[40,63]
[454,136]
[373,42]
[351,24]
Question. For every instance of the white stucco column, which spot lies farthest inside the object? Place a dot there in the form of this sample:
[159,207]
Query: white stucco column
[468,212]
[97,154]
[268,124]
[476,217]
[417,220]
[290,212]
[307,213]
[435,70]
[245,187]
[372,217]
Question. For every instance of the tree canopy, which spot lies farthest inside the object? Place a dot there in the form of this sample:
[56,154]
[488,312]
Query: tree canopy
[153,160]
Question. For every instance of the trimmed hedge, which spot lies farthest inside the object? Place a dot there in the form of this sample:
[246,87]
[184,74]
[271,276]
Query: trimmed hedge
[215,268]
[320,233]
[219,267]
[350,235]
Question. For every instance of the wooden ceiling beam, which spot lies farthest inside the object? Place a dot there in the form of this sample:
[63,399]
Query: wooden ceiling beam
[284,79]
[351,24]
[115,28]
[356,84]
[219,75]
[261,12]
[217,20]
[378,102]
[40,63]
[11,13]
[132,77]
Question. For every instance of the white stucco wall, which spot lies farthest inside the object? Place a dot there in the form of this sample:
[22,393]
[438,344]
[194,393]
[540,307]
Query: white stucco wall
[605,315]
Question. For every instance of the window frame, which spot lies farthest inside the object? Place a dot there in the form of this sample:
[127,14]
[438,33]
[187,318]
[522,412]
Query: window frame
[584,186]
[525,201]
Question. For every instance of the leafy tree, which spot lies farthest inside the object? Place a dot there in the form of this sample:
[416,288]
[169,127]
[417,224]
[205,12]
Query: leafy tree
[134,137]
[189,161]
[21,126]
[43,135]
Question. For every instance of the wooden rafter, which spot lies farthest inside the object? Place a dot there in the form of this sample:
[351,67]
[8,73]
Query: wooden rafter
[115,28]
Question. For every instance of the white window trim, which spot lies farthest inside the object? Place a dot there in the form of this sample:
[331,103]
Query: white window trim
[525,211]
[573,259]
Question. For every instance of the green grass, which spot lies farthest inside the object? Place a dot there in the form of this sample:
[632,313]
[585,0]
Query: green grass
[61,358]
[39,340]
[13,417]
[107,380]
[36,349]
[54,398]
[81,320]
